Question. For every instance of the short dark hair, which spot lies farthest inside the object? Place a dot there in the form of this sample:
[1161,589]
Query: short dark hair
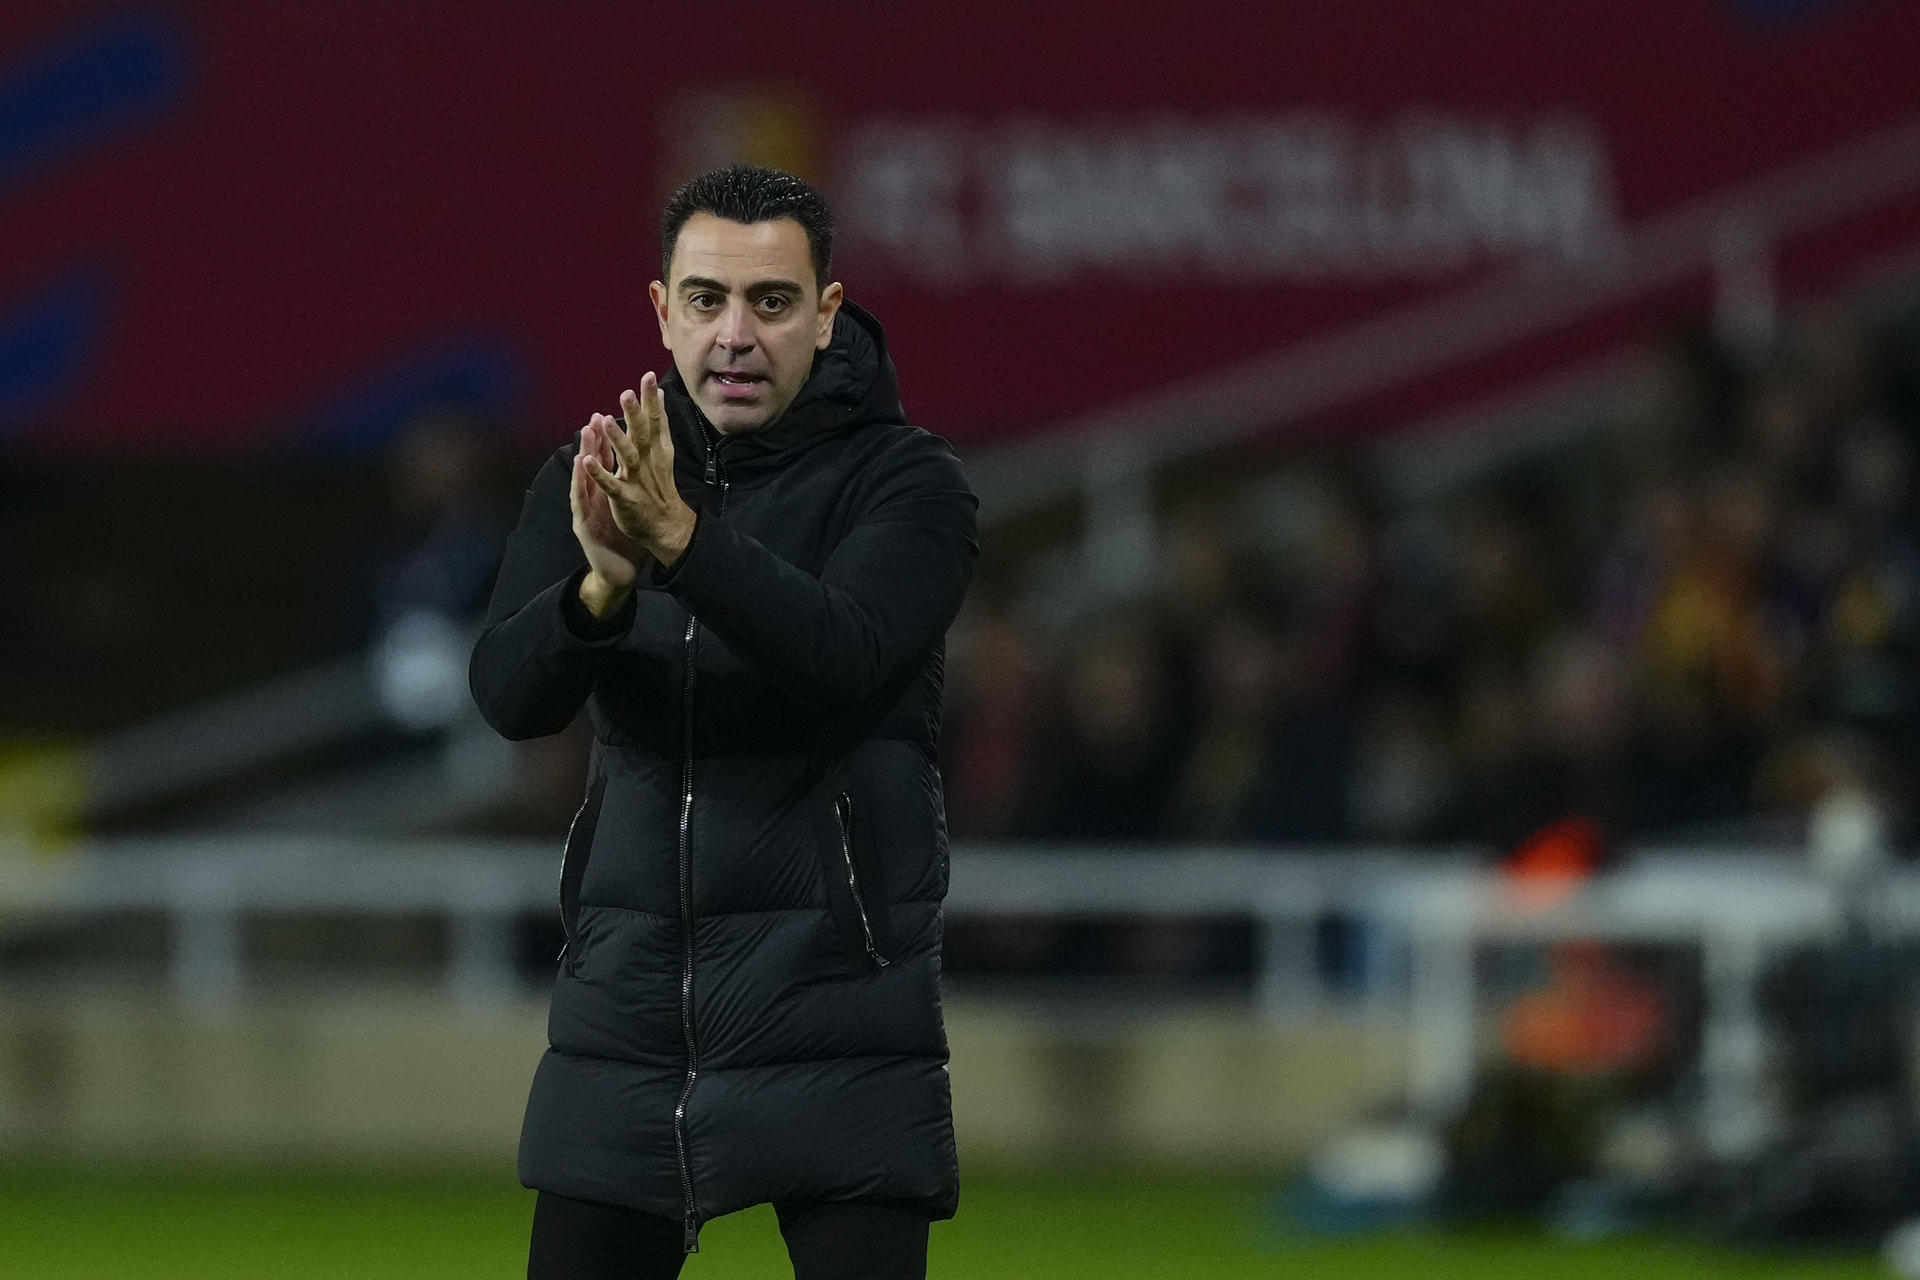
[750,193]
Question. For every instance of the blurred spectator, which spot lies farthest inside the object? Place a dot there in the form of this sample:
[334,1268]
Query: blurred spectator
[430,581]
[1106,767]
[1302,796]
[995,687]
[1231,758]
[1404,777]
[448,526]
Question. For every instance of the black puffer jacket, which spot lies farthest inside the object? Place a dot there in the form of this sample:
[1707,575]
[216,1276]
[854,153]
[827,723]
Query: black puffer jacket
[748,1007]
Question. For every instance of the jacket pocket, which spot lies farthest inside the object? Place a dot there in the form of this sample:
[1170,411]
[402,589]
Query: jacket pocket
[573,870]
[855,898]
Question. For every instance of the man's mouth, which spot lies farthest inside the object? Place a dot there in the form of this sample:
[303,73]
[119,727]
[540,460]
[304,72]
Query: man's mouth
[737,385]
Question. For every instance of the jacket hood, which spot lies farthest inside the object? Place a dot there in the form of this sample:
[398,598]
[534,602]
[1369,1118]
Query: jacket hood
[852,383]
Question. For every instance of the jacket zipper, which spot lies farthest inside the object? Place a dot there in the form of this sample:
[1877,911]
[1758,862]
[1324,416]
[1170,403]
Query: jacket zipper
[584,820]
[686,935]
[566,850]
[690,649]
[843,809]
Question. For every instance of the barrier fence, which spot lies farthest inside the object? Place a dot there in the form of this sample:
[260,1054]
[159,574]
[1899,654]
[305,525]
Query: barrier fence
[1424,914]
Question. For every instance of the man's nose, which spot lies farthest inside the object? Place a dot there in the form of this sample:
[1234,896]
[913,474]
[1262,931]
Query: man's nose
[736,329]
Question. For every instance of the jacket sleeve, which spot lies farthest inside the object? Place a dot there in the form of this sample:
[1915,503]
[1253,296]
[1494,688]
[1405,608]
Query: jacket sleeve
[532,666]
[886,595]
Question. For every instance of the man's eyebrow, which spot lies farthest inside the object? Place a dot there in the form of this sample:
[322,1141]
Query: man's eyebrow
[756,289]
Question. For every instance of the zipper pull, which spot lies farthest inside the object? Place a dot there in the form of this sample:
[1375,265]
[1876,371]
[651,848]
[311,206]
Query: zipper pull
[712,474]
[693,1234]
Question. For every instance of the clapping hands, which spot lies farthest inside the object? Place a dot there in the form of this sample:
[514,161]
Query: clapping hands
[623,497]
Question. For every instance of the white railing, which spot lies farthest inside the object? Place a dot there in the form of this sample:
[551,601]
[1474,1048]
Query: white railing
[1429,908]
[206,885]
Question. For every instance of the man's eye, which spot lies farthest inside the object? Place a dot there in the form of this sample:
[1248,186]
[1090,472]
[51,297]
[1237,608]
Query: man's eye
[701,300]
[774,302]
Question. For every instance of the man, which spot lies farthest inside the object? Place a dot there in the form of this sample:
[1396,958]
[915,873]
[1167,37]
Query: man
[747,581]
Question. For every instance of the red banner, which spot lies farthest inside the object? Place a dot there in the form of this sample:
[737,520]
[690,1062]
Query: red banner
[231,223]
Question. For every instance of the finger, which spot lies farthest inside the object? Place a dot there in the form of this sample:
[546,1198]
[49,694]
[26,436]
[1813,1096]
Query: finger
[654,401]
[598,443]
[639,429]
[628,444]
[634,416]
[661,456]
[590,505]
[602,477]
[590,444]
[604,439]
[583,481]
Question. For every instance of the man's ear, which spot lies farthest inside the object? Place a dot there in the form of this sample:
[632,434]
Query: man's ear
[658,292]
[829,307]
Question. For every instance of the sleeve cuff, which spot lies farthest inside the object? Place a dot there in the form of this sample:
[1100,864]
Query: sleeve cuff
[583,626]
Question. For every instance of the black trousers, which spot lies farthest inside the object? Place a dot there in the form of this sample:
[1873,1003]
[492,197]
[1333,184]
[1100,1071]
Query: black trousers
[839,1240]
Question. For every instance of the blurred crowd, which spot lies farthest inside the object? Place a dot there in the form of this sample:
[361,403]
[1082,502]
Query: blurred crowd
[1695,624]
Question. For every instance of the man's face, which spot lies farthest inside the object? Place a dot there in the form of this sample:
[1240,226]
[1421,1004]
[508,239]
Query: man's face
[742,316]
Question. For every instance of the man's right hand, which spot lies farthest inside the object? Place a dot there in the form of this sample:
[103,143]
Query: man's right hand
[613,558]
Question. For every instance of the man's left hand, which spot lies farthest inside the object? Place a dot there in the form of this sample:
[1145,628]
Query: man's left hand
[645,503]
